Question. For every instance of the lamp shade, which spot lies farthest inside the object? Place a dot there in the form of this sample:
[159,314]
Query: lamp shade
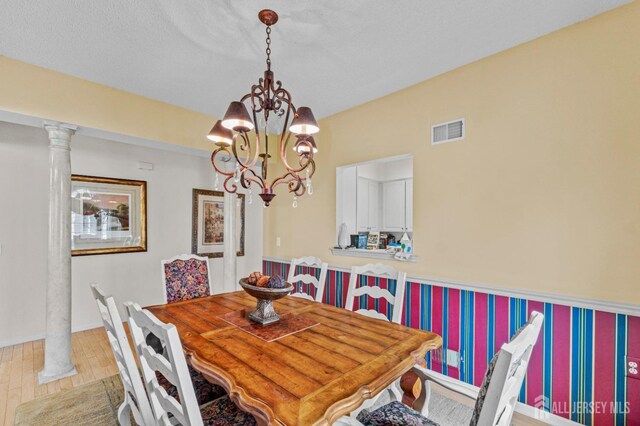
[304,123]
[237,118]
[300,147]
[220,135]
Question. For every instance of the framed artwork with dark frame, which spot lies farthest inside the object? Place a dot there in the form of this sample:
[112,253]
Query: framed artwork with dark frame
[108,215]
[207,225]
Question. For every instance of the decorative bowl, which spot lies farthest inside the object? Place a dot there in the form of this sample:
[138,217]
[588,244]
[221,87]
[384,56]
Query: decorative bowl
[264,312]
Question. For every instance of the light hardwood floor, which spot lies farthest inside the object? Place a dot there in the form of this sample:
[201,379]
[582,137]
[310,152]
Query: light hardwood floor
[20,364]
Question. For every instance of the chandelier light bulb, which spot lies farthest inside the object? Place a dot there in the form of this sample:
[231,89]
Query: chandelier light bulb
[302,148]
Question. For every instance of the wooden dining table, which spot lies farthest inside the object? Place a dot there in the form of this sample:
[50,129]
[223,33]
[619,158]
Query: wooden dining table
[309,377]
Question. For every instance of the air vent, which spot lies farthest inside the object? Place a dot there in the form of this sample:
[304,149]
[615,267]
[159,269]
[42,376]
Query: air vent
[447,132]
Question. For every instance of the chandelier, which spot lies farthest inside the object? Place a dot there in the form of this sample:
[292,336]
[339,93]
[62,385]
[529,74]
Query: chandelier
[243,134]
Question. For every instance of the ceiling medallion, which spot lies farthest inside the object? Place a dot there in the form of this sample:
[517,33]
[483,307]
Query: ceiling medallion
[243,132]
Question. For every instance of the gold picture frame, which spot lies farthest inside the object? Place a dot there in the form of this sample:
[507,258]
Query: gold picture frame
[207,223]
[108,215]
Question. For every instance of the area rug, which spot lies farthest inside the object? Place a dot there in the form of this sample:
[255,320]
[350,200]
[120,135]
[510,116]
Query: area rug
[94,404]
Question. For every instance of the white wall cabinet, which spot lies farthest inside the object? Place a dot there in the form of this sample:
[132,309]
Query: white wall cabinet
[346,181]
[408,193]
[368,205]
[397,205]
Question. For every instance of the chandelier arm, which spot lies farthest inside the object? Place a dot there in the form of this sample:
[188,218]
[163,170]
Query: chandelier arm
[245,146]
[234,187]
[252,95]
[294,182]
[258,180]
[213,162]
[313,168]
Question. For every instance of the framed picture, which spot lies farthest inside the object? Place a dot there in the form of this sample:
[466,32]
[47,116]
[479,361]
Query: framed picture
[108,215]
[207,226]
[373,240]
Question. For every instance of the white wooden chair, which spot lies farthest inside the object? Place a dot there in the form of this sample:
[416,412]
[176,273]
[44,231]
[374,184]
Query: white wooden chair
[319,283]
[495,400]
[185,277]
[381,271]
[173,366]
[135,396]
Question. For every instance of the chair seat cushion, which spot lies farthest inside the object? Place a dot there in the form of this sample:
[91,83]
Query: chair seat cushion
[205,390]
[223,412]
[394,414]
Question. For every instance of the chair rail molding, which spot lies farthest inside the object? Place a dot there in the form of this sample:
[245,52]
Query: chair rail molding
[578,302]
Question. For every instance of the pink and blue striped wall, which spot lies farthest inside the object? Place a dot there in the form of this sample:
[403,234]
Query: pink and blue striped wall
[577,369]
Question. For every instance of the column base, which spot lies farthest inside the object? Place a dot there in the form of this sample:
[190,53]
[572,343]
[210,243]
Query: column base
[46,377]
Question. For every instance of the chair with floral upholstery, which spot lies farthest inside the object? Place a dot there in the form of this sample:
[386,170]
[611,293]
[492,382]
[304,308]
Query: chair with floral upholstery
[186,277]
[171,363]
[495,400]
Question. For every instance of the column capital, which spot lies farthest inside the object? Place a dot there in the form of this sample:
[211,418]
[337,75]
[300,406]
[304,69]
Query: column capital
[59,133]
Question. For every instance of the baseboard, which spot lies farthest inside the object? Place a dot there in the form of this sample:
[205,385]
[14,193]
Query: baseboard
[524,409]
[19,340]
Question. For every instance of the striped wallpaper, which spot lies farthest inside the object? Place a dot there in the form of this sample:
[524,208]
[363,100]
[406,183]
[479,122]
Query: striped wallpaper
[577,369]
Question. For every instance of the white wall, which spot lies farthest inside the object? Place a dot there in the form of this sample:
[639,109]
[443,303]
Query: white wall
[24,177]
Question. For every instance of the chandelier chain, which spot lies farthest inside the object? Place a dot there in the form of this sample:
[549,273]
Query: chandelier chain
[268,51]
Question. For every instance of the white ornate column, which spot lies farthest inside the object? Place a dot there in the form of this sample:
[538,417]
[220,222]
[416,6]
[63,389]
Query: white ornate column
[57,351]
[229,270]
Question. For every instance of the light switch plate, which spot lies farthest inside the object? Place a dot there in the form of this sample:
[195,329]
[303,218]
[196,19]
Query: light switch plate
[633,367]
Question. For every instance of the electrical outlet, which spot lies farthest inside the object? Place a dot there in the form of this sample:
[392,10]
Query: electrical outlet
[453,358]
[633,367]
[277,241]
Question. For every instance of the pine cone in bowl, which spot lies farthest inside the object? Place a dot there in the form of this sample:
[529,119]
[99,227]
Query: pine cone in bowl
[276,281]
[263,281]
[253,278]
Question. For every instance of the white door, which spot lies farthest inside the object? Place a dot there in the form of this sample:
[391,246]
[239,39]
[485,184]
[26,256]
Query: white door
[409,205]
[393,209]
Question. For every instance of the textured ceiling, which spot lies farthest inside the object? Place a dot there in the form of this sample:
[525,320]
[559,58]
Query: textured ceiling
[332,55]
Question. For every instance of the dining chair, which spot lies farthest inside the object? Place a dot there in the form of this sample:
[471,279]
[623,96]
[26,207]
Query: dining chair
[135,396]
[495,399]
[318,283]
[186,277]
[171,363]
[380,271]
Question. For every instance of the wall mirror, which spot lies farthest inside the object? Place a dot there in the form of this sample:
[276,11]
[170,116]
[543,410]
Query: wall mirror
[374,209]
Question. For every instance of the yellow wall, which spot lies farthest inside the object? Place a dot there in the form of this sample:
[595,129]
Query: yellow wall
[39,92]
[544,192]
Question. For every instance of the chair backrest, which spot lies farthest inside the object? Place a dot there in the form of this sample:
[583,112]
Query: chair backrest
[319,283]
[186,277]
[135,394]
[381,271]
[497,405]
[171,363]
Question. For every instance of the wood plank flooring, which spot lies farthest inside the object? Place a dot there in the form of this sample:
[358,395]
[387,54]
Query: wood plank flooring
[92,356]
[20,364]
